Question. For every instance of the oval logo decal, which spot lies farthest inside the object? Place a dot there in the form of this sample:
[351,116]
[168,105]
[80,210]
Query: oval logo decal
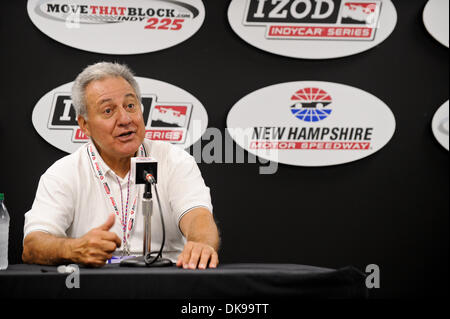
[313,29]
[311,123]
[118,26]
[439,125]
[170,114]
[436,20]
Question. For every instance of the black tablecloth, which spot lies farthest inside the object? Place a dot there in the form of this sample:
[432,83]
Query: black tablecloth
[227,281]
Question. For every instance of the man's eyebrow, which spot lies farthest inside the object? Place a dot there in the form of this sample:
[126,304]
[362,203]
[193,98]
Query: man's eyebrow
[131,95]
[109,99]
[104,101]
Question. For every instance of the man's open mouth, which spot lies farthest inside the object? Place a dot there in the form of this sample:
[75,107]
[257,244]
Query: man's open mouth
[125,134]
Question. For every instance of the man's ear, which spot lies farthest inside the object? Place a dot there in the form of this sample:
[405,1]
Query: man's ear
[84,125]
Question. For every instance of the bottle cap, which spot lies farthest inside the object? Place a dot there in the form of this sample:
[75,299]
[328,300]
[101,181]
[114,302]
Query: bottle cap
[2,196]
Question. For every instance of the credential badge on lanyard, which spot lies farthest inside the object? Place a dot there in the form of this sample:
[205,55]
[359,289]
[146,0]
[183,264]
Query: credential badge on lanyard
[126,220]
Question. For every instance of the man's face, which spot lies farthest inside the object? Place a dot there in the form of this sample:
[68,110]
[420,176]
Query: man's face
[114,122]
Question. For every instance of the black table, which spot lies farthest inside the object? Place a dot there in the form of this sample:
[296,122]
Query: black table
[227,281]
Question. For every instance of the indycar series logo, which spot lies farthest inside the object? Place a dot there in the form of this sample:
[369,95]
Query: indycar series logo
[313,29]
[163,121]
[315,19]
[168,116]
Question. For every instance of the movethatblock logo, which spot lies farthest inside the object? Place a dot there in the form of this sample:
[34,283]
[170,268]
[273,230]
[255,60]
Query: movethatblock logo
[306,24]
[118,27]
[168,112]
[359,125]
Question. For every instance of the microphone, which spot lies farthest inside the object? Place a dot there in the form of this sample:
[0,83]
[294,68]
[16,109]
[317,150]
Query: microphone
[144,170]
[149,178]
[143,166]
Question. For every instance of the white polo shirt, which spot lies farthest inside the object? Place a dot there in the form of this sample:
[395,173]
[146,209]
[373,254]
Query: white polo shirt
[70,199]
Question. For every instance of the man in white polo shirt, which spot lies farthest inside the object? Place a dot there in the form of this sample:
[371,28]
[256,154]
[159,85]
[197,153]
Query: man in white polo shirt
[87,206]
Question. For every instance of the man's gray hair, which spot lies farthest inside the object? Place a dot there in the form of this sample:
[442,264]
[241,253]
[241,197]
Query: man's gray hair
[99,71]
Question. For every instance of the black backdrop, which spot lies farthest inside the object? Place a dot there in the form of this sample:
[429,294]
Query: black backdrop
[390,209]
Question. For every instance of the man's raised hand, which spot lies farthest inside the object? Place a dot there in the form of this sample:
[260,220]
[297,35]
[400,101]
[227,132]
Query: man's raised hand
[96,246]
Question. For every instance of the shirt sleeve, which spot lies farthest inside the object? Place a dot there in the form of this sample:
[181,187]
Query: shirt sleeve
[52,211]
[186,188]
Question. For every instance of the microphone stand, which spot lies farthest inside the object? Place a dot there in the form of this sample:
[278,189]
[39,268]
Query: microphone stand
[147,208]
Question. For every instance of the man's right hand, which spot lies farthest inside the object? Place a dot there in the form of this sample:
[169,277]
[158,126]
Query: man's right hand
[96,247]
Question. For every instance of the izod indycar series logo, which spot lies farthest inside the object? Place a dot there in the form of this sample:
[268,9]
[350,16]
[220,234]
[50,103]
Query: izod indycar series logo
[315,19]
[170,114]
[313,29]
[311,123]
[163,121]
[118,26]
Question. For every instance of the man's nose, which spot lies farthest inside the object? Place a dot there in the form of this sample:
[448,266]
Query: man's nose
[124,117]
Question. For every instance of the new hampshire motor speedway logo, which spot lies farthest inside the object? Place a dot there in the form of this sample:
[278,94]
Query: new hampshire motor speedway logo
[312,104]
[170,114]
[312,108]
[309,132]
[315,19]
[118,26]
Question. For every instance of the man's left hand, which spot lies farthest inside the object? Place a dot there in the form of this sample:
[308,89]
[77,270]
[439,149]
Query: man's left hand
[197,255]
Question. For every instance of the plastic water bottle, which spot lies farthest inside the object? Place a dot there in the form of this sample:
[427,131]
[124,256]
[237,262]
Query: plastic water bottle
[4,231]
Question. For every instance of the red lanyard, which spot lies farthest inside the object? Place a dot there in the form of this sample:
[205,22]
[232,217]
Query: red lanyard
[126,220]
